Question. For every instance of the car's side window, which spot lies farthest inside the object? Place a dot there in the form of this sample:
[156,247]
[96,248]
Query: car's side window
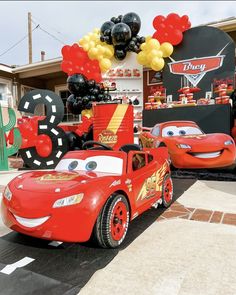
[150,158]
[155,130]
[138,161]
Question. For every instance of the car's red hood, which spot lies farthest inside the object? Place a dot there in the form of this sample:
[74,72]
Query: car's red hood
[202,141]
[52,180]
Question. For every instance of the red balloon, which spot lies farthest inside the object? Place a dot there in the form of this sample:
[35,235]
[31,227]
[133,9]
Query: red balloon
[77,54]
[65,52]
[184,19]
[176,37]
[157,20]
[173,19]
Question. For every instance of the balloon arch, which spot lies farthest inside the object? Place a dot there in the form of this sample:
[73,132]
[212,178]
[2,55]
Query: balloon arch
[86,60]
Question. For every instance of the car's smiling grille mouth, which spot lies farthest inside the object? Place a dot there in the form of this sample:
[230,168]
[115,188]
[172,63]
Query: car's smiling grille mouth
[31,222]
[206,155]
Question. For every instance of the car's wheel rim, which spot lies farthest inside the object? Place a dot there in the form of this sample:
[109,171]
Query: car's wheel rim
[119,221]
[168,190]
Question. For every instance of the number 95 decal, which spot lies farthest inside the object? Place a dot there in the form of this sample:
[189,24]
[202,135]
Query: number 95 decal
[47,126]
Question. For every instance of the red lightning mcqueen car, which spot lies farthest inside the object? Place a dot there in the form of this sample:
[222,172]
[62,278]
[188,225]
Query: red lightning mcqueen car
[93,192]
[188,146]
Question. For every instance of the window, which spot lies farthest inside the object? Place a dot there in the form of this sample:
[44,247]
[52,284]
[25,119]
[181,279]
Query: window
[64,94]
[5,91]
[138,161]
[155,130]
[40,109]
[150,158]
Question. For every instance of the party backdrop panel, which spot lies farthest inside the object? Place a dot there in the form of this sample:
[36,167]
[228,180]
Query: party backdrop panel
[210,118]
[205,55]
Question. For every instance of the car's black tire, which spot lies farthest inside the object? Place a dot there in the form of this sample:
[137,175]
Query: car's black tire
[167,191]
[112,223]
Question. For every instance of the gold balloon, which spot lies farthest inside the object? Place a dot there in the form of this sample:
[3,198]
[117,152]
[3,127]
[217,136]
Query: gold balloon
[86,46]
[167,49]
[141,58]
[153,44]
[96,30]
[93,53]
[108,52]
[157,64]
[143,46]
[92,44]
[105,64]
[101,49]
[148,38]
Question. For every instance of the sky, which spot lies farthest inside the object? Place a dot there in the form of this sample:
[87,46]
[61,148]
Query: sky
[69,21]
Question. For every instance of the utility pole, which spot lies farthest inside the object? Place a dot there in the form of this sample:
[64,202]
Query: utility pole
[30,37]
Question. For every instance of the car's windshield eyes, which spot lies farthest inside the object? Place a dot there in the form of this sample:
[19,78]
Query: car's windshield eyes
[170,133]
[72,166]
[91,165]
[104,164]
[180,131]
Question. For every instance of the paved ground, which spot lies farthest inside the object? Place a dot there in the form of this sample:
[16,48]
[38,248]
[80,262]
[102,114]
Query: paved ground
[190,250]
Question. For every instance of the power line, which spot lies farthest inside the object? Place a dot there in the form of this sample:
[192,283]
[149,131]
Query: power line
[51,35]
[47,25]
[6,51]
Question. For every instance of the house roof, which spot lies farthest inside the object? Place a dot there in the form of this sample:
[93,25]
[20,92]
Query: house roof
[5,68]
[227,24]
[39,68]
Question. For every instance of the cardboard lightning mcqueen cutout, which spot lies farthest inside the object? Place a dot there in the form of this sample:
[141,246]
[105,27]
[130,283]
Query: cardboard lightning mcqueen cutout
[189,147]
[205,55]
[94,192]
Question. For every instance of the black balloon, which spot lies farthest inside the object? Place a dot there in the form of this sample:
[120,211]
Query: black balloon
[77,84]
[106,26]
[120,53]
[91,83]
[120,34]
[113,19]
[133,21]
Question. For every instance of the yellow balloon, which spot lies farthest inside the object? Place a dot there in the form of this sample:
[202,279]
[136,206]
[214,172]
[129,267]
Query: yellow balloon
[86,38]
[101,49]
[143,46]
[92,53]
[86,46]
[142,58]
[92,44]
[96,30]
[105,64]
[82,41]
[94,37]
[157,64]
[155,53]
[99,57]
[148,38]
[153,44]
[108,52]
[167,49]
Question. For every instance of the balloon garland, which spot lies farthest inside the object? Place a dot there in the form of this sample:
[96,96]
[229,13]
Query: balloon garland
[170,29]
[86,60]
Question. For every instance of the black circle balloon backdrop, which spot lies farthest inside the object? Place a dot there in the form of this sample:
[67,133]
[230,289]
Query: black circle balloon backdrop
[83,93]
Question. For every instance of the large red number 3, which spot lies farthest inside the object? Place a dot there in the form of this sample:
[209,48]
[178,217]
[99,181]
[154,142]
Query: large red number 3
[48,126]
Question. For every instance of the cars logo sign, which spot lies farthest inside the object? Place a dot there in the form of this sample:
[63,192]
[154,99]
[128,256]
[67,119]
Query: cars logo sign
[195,69]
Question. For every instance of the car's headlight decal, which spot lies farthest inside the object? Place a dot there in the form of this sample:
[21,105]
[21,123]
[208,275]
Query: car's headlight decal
[183,146]
[71,200]
[7,194]
[228,142]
